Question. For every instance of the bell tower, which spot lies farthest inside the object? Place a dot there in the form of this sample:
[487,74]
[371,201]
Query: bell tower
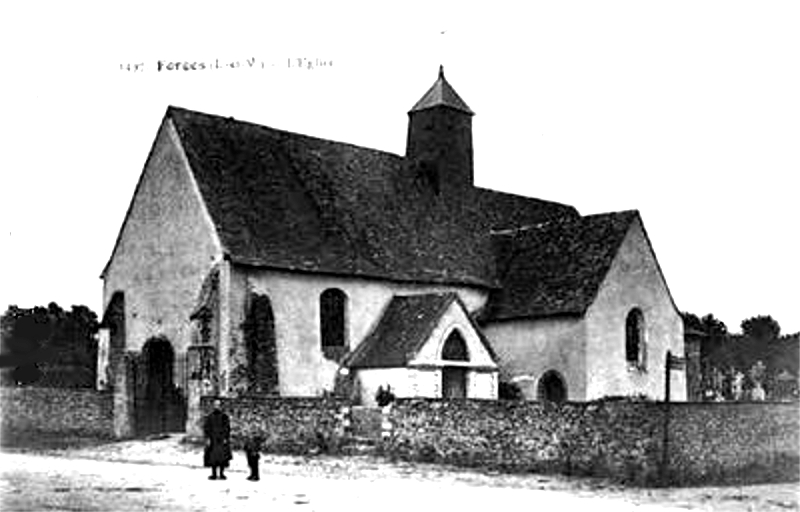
[439,144]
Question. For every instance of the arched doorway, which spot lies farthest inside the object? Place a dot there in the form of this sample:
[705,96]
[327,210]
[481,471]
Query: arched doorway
[160,405]
[454,378]
[552,387]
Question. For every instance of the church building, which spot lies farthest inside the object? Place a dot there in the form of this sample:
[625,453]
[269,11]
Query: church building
[258,261]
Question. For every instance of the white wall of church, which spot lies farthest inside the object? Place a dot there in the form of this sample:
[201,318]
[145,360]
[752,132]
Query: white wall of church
[303,370]
[527,348]
[403,381]
[482,385]
[634,280]
[166,246]
[421,383]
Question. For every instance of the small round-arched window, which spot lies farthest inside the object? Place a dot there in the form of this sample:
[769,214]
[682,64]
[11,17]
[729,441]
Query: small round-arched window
[634,338]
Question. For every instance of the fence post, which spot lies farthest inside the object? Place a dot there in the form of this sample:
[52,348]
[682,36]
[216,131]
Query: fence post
[386,422]
[665,444]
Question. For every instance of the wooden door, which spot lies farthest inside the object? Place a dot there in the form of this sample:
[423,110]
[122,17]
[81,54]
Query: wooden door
[454,382]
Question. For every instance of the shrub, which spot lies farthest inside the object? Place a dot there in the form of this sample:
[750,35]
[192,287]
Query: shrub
[509,391]
[384,396]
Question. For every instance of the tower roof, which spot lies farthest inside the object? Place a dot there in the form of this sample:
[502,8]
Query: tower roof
[441,94]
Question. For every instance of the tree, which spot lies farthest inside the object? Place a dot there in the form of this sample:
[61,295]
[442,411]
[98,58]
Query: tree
[715,353]
[692,321]
[714,327]
[762,328]
[49,345]
[760,346]
[24,337]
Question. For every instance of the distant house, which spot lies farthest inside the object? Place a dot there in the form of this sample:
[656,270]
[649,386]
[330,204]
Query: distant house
[254,260]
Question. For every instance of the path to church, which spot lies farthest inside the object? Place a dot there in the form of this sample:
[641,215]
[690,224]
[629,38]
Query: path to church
[163,475]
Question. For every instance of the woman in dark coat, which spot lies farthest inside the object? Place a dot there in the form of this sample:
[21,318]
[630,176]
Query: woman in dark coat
[217,429]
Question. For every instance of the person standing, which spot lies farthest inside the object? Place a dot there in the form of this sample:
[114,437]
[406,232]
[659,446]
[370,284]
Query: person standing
[252,449]
[217,430]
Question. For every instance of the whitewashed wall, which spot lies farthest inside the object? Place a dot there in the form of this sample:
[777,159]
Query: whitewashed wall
[634,281]
[303,370]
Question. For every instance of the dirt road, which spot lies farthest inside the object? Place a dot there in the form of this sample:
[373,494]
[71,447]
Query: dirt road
[165,475]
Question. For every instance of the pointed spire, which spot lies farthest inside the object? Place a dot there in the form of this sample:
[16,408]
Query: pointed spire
[442,94]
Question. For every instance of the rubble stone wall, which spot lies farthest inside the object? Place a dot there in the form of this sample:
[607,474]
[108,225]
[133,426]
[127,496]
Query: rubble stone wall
[723,441]
[620,439]
[299,425]
[58,410]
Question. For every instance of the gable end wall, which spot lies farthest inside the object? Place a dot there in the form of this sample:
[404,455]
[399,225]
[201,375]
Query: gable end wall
[634,280]
[165,249]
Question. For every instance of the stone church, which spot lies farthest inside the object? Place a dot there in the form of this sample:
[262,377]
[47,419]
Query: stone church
[255,260]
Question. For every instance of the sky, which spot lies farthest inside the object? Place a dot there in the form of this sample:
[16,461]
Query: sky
[686,111]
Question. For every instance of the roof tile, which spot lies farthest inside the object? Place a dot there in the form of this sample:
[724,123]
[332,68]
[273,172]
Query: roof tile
[290,201]
[555,268]
[402,330]
[441,94]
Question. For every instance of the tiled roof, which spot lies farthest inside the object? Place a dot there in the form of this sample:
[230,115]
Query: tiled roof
[500,210]
[441,93]
[401,332]
[555,268]
[290,201]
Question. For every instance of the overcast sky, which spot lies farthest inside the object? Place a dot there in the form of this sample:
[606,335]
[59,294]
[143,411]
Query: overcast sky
[686,111]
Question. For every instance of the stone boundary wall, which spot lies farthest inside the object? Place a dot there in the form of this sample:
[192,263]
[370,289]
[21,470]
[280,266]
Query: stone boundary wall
[292,425]
[620,439]
[725,441]
[57,410]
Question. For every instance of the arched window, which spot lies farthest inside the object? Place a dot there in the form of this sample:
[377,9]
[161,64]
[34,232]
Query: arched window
[262,355]
[455,348]
[115,321]
[634,338]
[551,387]
[332,309]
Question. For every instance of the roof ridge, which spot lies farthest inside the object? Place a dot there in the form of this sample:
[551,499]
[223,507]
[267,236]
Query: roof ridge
[231,119]
[482,190]
[561,221]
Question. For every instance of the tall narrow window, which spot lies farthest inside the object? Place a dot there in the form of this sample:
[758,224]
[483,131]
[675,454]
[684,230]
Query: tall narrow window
[634,338]
[262,353]
[332,308]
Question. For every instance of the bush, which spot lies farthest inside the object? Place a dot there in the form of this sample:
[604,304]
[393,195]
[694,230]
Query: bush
[509,391]
[384,396]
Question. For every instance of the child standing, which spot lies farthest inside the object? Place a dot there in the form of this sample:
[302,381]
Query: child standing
[252,449]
